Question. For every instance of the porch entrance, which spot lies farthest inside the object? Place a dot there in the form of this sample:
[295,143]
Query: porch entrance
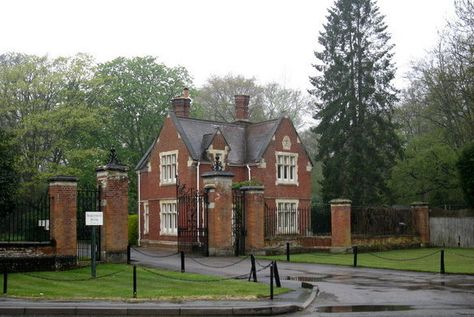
[192,209]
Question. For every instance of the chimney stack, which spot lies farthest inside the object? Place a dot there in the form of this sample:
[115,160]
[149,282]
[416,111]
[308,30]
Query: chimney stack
[182,104]
[242,107]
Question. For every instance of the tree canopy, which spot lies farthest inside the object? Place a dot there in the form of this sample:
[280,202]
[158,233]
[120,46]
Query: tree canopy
[355,98]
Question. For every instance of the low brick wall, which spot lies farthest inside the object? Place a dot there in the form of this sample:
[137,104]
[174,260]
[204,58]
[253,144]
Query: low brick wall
[24,257]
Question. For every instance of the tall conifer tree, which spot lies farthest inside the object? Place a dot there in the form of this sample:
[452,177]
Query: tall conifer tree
[355,97]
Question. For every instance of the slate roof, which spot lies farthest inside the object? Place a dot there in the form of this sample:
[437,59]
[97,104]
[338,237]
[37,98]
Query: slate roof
[247,141]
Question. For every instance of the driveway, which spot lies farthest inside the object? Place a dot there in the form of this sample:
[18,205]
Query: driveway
[345,291]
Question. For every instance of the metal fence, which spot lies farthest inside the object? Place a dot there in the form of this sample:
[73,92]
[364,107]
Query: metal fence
[321,219]
[26,221]
[382,221]
[287,222]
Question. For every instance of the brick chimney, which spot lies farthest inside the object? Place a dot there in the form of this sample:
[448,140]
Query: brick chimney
[242,107]
[182,104]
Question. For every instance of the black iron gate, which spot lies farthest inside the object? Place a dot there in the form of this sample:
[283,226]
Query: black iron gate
[238,221]
[87,200]
[192,208]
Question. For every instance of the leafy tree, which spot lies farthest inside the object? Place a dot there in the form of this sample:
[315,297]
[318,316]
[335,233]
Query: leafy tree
[215,100]
[136,94]
[43,103]
[427,172]
[355,98]
[8,179]
[465,166]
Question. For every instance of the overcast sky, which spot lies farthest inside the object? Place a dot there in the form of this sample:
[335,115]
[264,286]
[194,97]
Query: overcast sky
[265,39]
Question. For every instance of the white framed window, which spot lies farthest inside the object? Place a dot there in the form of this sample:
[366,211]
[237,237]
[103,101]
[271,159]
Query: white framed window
[286,168]
[168,218]
[146,218]
[287,216]
[168,167]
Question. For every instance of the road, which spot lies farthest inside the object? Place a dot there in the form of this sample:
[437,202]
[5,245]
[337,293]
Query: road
[347,291]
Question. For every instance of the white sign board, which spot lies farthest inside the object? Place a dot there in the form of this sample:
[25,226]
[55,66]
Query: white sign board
[94,218]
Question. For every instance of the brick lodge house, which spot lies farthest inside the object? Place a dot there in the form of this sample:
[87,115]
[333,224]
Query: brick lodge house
[270,153]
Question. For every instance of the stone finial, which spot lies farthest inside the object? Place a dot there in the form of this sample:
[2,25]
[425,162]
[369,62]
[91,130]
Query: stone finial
[113,159]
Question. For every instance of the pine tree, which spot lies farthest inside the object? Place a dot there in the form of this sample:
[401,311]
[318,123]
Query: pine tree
[355,98]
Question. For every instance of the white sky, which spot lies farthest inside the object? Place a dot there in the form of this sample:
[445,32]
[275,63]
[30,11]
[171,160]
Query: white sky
[265,39]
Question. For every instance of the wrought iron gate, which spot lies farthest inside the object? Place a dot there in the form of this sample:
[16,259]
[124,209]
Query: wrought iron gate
[239,231]
[192,208]
[87,200]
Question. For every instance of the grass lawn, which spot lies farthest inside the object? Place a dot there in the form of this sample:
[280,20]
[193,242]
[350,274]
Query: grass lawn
[456,260]
[114,281]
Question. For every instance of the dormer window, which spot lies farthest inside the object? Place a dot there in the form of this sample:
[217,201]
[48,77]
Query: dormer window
[168,167]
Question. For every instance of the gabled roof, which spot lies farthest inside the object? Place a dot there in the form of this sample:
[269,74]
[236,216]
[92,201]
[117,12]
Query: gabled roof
[247,141]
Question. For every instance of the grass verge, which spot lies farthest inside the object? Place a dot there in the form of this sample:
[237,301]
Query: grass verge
[114,281]
[456,260]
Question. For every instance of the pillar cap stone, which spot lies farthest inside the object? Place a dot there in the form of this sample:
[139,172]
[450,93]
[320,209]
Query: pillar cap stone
[252,188]
[419,203]
[62,179]
[113,164]
[217,174]
[340,201]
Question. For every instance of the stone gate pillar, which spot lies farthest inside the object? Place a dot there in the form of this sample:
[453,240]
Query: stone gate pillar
[254,218]
[422,221]
[340,224]
[219,186]
[113,183]
[63,218]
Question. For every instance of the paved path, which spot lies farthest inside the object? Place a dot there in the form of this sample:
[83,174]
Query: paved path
[347,291]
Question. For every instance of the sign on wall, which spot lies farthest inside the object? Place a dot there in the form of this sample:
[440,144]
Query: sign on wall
[94,218]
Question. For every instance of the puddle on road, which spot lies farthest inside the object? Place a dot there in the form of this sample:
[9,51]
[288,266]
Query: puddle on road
[362,308]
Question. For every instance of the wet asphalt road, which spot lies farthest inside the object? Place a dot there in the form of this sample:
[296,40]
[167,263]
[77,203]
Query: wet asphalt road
[347,291]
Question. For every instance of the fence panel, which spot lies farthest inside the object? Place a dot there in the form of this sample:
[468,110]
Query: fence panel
[382,221]
[287,222]
[26,221]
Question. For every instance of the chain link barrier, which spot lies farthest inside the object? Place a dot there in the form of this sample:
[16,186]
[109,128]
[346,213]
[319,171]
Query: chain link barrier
[402,260]
[74,280]
[242,276]
[154,255]
[461,255]
[216,266]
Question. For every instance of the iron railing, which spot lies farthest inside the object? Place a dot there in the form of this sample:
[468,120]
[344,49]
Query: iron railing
[321,219]
[382,221]
[26,221]
[287,222]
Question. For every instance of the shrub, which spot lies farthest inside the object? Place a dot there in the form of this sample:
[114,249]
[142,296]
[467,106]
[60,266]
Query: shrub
[133,229]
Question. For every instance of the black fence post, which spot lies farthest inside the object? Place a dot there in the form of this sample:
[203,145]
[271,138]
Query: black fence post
[182,262]
[442,269]
[271,281]
[288,252]
[129,254]
[5,282]
[354,251]
[277,275]
[134,281]
[253,269]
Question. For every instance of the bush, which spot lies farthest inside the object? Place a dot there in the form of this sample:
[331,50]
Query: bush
[465,167]
[132,229]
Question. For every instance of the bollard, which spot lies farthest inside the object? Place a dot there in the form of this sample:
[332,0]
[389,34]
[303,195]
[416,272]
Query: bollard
[134,281]
[253,269]
[182,262]
[129,254]
[277,275]
[441,269]
[354,251]
[5,282]
[271,281]
[287,252]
